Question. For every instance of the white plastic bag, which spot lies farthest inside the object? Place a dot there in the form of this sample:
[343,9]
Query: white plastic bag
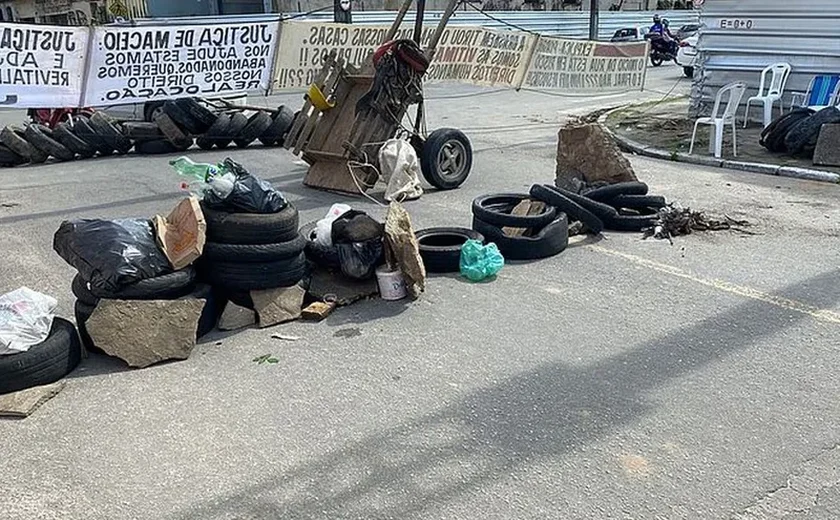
[400,169]
[323,228]
[26,318]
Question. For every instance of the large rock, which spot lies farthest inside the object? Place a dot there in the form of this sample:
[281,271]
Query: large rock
[275,306]
[587,152]
[402,249]
[143,333]
[235,317]
[828,146]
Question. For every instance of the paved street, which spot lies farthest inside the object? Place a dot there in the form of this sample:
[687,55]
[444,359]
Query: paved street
[622,379]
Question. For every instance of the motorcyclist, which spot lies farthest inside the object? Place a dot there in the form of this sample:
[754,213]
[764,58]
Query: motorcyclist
[657,27]
[670,39]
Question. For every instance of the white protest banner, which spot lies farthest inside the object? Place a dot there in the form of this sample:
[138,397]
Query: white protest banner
[41,66]
[467,54]
[137,64]
[585,65]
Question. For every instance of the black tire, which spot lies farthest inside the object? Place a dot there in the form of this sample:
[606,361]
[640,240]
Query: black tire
[63,133]
[655,60]
[110,132]
[573,210]
[630,222]
[213,308]
[203,116]
[802,138]
[86,133]
[599,209]
[182,118]
[40,139]
[44,363]
[319,254]
[169,286]
[280,125]
[258,123]
[83,312]
[254,276]
[13,138]
[142,131]
[172,132]
[238,122]
[495,210]
[637,202]
[80,290]
[549,241]
[440,247]
[151,110]
[251,228]
[161,146]
[10,158]
[249,253]
[611,191]
[446,175]
[218,132]
[773,136]
[688,72]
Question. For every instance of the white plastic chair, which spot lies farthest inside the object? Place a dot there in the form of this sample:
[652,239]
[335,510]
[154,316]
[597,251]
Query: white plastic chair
[781,72]
[736,93]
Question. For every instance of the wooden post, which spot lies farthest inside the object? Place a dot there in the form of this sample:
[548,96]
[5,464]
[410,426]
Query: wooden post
[398,21]
[431,49]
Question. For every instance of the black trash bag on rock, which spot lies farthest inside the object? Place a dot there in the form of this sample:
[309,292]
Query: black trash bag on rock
[250,194]
[111,254]
[358,240]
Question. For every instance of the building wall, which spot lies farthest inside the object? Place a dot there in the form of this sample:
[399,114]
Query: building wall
[68,12]
[741,37]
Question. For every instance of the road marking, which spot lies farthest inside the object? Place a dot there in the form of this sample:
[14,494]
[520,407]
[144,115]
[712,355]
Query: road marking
[740,290]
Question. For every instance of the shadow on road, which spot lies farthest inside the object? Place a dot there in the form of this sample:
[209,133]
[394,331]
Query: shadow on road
[544,413]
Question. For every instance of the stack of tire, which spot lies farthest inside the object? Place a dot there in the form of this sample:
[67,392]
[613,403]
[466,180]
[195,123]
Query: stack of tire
[546,235]
[171,286]
[252,251]
[440,247]
[44,363]
[174,129]
[796,132]
[624,206]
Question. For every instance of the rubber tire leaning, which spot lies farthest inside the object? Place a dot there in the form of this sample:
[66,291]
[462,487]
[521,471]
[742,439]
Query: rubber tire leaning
[429,158]
[802,138]
[549,241]
[63,133]
[9,158]
[165,287]
[201,115]
[251,228]
[142,131]
[599,209]
[251,253]
[254,276]
[573,210]
[488,208]
[182,118]
[110,133]
[12,137]
[157,147]
[258,123]
[44,363]
[440,247]
[173,133]
[611,191]
[238,121]
[86,133]
[280,125]
[218,132]
[40,137]
[775,140]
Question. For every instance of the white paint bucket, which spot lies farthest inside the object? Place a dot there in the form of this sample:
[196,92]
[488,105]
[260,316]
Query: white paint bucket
[391,283]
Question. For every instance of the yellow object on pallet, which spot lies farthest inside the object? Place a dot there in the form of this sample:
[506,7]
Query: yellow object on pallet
[318,99]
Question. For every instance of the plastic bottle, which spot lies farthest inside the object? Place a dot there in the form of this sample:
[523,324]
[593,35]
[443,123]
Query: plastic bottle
[201,171]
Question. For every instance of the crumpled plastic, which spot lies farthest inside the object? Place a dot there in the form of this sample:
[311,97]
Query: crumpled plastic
[479,262]
[26,317]
[249,193]
[323,229]
[111,254]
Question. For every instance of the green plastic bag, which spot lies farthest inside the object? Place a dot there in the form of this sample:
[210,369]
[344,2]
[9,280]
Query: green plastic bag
[479,262]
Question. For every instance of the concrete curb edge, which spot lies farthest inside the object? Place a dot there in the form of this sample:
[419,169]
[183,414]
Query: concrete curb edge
[631,146]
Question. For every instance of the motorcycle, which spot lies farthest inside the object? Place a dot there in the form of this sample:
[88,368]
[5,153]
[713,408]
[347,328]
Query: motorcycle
[51,117]
[661,49]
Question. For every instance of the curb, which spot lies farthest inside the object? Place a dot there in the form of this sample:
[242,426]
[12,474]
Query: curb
[631,146]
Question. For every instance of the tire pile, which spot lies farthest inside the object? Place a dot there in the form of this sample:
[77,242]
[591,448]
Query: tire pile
[182,123]
[797,132]
[251,251]
[171,286]
[44,363]
[618,207]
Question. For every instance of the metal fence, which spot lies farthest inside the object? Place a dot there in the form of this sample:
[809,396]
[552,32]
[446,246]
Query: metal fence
[568,24]
[741,37]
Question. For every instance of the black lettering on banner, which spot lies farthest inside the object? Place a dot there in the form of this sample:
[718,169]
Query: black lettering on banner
[38,57]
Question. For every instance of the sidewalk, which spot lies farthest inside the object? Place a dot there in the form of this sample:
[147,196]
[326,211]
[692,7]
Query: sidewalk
[663,130]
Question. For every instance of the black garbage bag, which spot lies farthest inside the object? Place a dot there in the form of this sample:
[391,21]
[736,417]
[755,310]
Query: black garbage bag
[358,240]
[250,194]
[111,254]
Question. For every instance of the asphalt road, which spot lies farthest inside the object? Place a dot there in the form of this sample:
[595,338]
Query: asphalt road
[621,379]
